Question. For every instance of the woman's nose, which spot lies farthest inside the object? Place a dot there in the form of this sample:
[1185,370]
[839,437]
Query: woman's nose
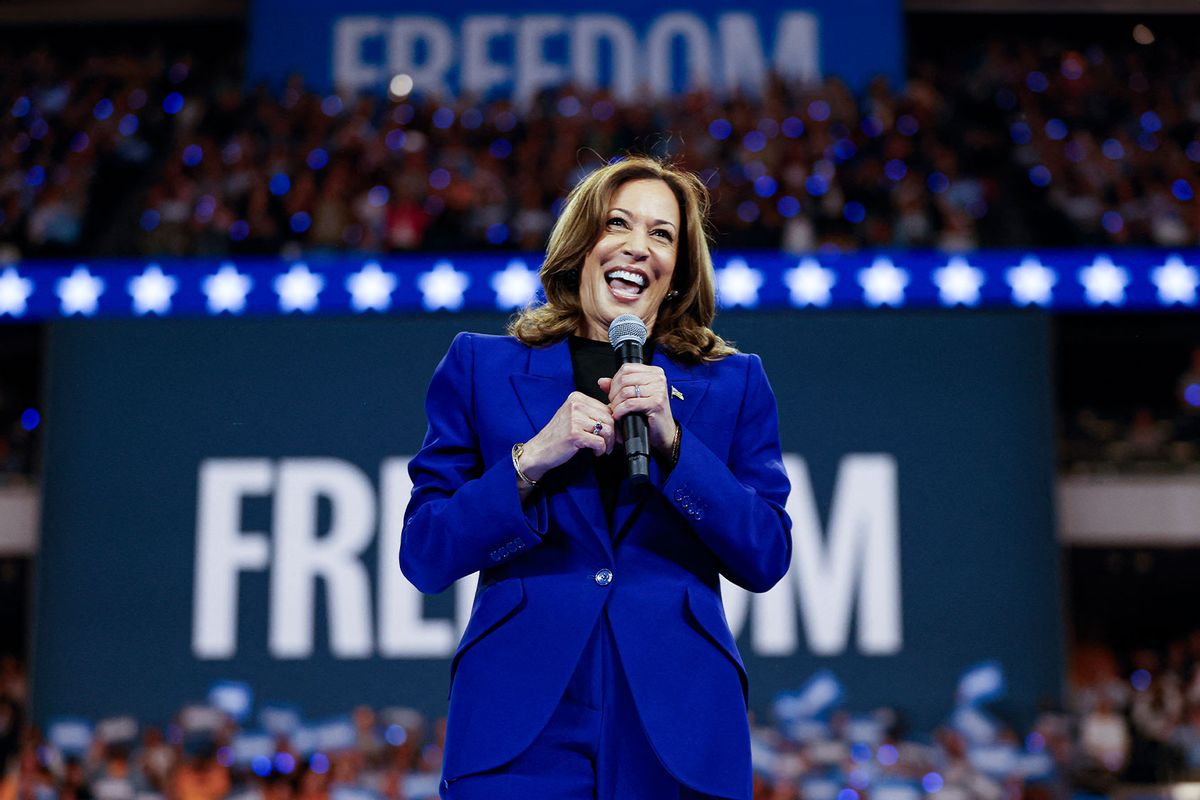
[637,244]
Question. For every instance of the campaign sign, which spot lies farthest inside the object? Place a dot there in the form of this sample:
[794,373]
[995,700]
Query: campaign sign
[629,48]
[224,502]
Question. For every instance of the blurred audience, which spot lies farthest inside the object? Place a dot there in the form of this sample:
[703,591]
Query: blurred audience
[1010,141]
[1130,719]
[1004,141]
[1166,437]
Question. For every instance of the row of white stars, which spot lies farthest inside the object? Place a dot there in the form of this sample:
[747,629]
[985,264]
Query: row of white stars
[298,289]
[738,284]
[958,282]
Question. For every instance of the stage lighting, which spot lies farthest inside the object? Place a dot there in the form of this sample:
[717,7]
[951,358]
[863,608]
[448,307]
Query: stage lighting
[400,86]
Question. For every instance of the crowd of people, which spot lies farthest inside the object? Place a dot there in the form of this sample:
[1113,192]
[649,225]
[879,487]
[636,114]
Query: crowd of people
[999,141]
[1007,142]
[1138,716]
[20,378]
[1164,436]
[1012,141]
[1130,720]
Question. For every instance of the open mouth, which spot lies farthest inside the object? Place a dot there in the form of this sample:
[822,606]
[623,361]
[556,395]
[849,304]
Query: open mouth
[626,284]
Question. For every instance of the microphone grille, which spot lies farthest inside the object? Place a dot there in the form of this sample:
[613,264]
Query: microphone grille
[626,328]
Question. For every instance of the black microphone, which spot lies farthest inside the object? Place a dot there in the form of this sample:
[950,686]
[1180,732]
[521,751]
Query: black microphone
[627,334]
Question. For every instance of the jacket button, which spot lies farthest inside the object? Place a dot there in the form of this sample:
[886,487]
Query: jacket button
[603,577]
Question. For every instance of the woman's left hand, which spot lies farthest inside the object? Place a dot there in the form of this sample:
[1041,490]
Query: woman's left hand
[643,388]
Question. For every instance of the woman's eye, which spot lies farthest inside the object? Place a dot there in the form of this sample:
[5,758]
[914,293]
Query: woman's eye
[663,234]
[616,221]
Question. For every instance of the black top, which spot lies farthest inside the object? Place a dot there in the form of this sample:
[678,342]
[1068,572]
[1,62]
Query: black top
[592,360]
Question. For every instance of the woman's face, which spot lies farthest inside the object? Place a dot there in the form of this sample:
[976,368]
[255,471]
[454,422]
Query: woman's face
[628,270]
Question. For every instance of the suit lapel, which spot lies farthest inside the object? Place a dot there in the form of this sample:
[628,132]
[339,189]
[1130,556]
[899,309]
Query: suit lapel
[631,499]
[546,383]
[541,391]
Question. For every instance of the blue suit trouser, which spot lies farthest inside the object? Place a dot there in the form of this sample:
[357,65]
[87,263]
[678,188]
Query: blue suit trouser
[593,748]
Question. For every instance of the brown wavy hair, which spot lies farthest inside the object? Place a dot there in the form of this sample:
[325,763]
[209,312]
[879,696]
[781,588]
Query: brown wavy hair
[682,324]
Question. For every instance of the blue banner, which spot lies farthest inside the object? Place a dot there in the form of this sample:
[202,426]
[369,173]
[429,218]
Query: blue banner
[1063,280]
[626,47]
[223,503]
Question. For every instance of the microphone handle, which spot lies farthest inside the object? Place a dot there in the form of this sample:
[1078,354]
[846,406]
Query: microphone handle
[633,426]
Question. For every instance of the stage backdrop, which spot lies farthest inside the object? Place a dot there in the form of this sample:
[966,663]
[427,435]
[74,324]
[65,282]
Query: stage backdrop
[623,45]
[223,500]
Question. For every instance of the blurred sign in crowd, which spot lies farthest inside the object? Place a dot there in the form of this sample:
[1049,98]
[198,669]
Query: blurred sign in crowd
[625,46]
[227,495]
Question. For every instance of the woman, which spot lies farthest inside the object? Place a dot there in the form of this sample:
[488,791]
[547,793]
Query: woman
[597,661]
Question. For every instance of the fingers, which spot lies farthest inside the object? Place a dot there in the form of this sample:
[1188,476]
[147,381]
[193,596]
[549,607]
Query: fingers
[600,444]
[643,389]
[638,388]
[634,381]
[650,406]
[579,407]
[591,424]
[627,370]
[581,422]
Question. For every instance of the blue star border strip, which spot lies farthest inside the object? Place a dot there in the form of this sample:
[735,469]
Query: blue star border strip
[1055,280]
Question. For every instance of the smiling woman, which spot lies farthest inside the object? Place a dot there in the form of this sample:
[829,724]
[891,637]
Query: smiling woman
[597,662]
[641,214]
[629,268]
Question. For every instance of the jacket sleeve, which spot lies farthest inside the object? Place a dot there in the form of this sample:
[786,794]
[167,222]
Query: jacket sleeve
[463,515]
[737,508]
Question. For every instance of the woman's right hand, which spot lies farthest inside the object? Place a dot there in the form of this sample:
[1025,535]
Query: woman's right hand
[569,431]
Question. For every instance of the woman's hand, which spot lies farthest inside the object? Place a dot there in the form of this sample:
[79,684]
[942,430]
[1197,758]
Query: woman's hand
[572,428]
[643,388]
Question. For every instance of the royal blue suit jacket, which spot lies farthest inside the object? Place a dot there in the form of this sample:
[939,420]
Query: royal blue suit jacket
[719,511]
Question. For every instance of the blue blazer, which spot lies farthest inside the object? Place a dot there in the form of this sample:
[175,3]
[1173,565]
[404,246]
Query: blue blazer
[550,567]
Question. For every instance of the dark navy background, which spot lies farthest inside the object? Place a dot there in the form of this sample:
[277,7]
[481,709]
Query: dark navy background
[961,400]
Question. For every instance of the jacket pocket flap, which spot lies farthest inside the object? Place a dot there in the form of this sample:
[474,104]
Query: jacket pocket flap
[710,620]
[495,604]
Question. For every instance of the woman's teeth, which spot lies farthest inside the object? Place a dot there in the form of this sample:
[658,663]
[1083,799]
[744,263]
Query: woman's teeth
[625,284]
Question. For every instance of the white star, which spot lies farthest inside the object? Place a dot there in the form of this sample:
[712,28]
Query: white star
[738,284]
[959,282]
[516,286]
[883,283]
[80,292]
[14,292]
[443,287]
[1031,282]
[151,291]
[371,288]
[227,290]
[1176,282]
[810,283]
[1104,281]
[298,289]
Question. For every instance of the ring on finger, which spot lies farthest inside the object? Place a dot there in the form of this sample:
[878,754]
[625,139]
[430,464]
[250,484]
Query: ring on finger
[637,390]
[598,429]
